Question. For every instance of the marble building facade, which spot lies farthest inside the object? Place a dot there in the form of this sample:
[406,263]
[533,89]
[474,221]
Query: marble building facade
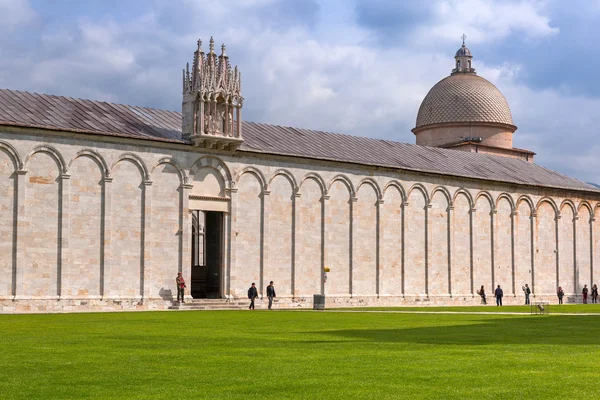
[101,219]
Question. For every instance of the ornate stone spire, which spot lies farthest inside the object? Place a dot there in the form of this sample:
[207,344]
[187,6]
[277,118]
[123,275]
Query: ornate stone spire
[463,59]
[212,101]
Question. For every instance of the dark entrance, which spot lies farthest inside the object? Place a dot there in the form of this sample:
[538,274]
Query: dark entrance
[207,254]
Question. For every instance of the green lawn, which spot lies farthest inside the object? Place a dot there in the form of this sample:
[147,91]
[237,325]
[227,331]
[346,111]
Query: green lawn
[298,355]
[554,308]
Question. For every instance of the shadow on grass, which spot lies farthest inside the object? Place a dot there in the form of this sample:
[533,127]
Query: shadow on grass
[535,330]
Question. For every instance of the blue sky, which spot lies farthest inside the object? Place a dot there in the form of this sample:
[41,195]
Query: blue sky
[360,67]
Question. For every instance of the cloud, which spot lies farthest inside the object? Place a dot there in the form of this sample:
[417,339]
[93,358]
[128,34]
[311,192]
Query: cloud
[15,14]
[317,65]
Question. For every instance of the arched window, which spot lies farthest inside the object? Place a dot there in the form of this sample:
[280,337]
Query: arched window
[457,64]
[469,64]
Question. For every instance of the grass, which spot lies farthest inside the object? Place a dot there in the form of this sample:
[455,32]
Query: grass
[297,355]
[554,309]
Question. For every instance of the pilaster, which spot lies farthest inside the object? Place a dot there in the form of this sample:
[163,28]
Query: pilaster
[471,217]
[63,229]
[185,224]
[146,239]
[294,252]
[353,200]
[20,223]
[324,212]
[230,242]
[106,258]
[449,219]
[264,234]
[378,247]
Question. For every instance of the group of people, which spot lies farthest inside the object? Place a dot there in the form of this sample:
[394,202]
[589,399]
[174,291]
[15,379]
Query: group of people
[253,294]
[499,293]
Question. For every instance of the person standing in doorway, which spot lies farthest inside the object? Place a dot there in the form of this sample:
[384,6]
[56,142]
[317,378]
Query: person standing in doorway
[560,293]
[527,292]
[584,292]
[271,293]
[594,294]
[180,287]
[499,294]
[252,295]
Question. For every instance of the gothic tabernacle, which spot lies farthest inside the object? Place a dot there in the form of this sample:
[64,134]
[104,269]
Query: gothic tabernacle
[101,204]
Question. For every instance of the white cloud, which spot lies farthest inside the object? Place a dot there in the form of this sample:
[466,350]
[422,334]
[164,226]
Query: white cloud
[15,14]
[485,21]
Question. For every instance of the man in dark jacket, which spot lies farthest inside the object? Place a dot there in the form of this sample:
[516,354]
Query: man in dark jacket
[499,294]
[271,293]
[252,294]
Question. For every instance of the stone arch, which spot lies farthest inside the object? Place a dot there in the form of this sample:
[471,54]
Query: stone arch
[568,203]
[170,160]
[373,184]
[397,185]
[465,193]
[420,188]
[346,181]
[219,165]
[94,155]
[317,178]
[552,204]
[488,196]
[587,205]
[508,198]
[52,152]
[288,175]
[445,192]
[134,158]
[13,154]
[256,172]
[526,199]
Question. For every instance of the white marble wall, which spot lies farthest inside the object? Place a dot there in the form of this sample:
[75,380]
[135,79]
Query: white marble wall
[104,223]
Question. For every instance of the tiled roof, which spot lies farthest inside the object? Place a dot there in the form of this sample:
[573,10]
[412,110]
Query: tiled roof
[26,109]
[464,98]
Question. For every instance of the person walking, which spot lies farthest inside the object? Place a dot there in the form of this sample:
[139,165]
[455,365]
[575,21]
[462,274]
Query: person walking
[560,293]
[499,294]
[527,292]
[594,294]
[252,295]
[271,293]
[481,292]
[584,292]
[180,287]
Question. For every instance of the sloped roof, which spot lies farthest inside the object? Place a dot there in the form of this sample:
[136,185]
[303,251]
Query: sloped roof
[34,110]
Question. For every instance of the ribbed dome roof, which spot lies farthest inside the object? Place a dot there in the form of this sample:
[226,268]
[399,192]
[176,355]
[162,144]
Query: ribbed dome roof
[464,97]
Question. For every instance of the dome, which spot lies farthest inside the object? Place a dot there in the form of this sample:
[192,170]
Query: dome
[464,98]
[463,52]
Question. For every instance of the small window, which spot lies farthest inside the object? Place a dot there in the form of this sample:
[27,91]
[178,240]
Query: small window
[469,64]
[457,64]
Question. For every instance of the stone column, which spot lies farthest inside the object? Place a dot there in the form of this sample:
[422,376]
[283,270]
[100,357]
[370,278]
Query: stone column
[471,214]
[353,200]
[592,220]
[402,239]
[449,247]
[294,226]
[324,213]
[427,241]
[378,247]
[232,235]
[63,229]
[106,259]
[533,235]
[19,245]
[575,258]
[146,239]
[186,238]
[239,122]
[512,250]
[493,245]
[264,235]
